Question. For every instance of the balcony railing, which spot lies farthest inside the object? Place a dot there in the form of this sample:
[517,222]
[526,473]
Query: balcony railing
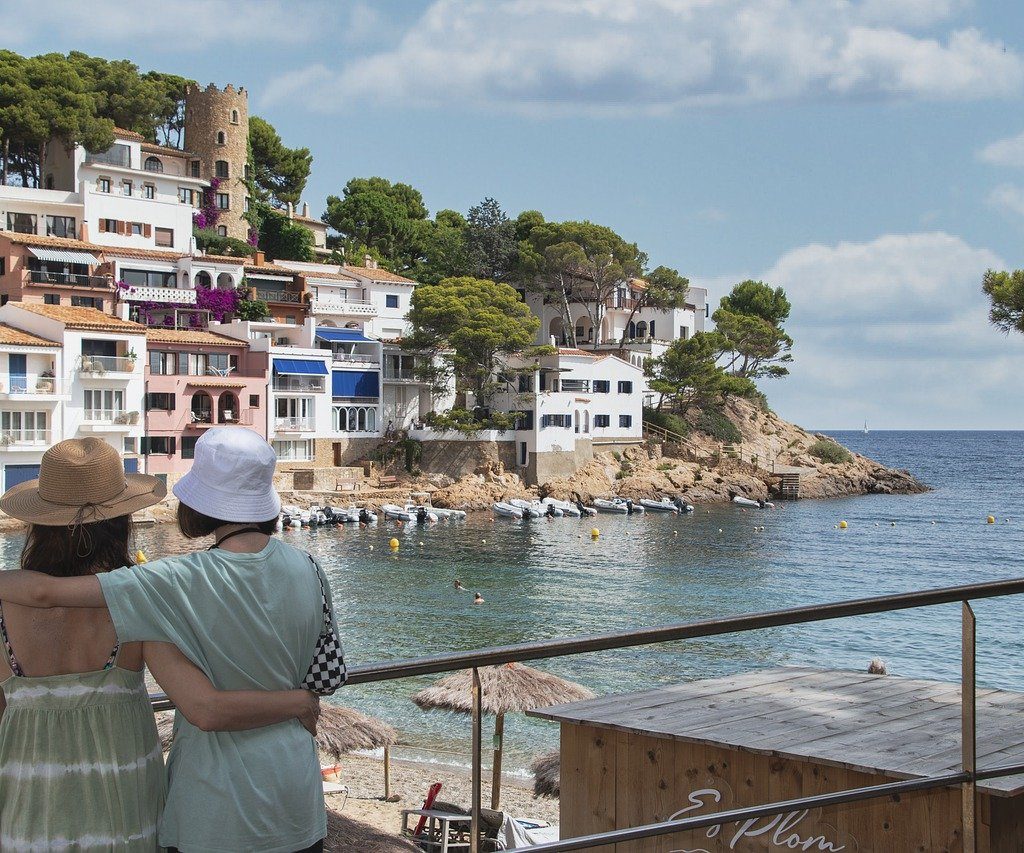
[578,386]
[68,279]
[97,365]
[110,416]
[356,307]
[16,385]
[25,437]
[356,357]
[175,295]
[400,373]
[312,384]
[119,155]
[278,295]
[293,425]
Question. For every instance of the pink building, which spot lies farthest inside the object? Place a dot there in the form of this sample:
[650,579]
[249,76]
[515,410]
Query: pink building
[196,380]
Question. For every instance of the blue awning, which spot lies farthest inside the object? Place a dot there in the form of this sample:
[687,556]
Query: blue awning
[343,336]
[355,383]
[299,367]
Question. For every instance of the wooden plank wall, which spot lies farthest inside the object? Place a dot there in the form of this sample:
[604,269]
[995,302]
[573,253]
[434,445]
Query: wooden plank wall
[612,779]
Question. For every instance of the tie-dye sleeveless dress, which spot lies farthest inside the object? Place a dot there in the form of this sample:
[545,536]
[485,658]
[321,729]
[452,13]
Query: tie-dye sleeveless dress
[80,762]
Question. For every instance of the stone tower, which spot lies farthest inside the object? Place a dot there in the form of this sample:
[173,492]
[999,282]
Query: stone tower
[217,133]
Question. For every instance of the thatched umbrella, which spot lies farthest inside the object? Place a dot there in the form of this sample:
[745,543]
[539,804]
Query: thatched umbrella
[503,690]
[341,730]
[345,835]
[547,774]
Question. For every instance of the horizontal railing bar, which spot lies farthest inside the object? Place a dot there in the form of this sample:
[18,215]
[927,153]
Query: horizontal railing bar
[668,827]
[497,655]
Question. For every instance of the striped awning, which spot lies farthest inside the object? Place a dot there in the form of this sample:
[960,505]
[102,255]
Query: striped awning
[216,383]
[63,256]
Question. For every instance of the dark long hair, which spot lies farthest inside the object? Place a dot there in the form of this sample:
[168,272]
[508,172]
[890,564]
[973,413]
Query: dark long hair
[195,525]
[83,549]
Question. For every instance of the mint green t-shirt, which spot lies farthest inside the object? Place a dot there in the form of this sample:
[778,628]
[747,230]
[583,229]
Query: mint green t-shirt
[250,622]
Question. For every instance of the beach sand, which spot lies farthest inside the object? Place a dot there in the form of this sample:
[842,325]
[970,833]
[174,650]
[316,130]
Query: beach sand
[410,781]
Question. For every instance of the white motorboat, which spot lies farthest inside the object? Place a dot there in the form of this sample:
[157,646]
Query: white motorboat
[451,514]
[566,507]
[507,510]
[422,514]
[663,505]
[739,500]
[357,515]
[619,506]
[531,509]
[684,507]
[393,512]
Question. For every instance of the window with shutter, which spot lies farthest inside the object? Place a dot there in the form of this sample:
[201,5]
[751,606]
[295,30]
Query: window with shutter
[147,230]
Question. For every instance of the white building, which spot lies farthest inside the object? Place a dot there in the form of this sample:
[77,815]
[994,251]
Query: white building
[98,384]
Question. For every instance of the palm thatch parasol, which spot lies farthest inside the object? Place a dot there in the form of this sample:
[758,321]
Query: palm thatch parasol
[547,774]
[345,835]
[503,690]
[342,730]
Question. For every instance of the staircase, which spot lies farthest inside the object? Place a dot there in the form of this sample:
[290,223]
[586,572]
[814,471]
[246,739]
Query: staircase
[789,487]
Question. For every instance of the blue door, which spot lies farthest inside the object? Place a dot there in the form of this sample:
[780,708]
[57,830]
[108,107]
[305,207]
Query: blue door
[131,466]
[14,474]
[17,367]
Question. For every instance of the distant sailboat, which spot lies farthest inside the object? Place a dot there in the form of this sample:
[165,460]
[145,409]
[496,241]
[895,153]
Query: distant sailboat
[865,427]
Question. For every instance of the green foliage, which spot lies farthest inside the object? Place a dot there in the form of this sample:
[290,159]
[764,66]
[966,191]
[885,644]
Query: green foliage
[468,325]
[665,466]
[666,420]
[374,213]
[467,422]
[713,422]
[442,243]
[1005,291]
[750,320]
[209,241]
[830,451]
[666,289]
[491,245]
[279,173]
[280,237]
[253,310]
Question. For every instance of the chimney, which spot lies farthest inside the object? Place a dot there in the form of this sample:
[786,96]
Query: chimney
[84,233]
[369,262]
[258,258]
[305,209]
[291,210]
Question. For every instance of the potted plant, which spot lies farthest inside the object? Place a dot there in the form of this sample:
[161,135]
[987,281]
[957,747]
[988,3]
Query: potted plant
[131,357]
[45,381]
[133,417]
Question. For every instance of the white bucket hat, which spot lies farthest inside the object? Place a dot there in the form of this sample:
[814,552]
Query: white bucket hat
[232,477]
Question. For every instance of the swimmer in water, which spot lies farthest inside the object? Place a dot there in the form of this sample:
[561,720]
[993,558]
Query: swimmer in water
[478,598]
[459,586]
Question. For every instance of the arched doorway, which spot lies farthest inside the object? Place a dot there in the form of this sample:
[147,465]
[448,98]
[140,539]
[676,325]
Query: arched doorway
[631,330]
[576,421]
[227,408]
[641,330]
[586,420]
[225,281]
[202,408]
[556,330]
[203,279]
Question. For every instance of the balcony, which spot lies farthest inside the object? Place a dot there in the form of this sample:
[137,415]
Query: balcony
[30,388]
[68,279]
[118,155]
[108,420]
[25,439]
[290,296]
[110,366]
[178,295]
[343,307]
[399,374]
[576,386]
[356,358]
[299,384]
[204,419]
[294,425]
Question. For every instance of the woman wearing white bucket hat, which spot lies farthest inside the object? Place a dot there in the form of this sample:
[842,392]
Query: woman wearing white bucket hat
[253,613]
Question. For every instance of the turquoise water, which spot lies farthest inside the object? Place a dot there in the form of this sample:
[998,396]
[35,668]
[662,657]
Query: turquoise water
[548,579]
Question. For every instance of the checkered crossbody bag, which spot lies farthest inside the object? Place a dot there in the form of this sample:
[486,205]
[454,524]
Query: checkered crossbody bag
[327,669]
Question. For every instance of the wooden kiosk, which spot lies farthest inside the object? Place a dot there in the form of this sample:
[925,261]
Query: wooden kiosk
[780,734]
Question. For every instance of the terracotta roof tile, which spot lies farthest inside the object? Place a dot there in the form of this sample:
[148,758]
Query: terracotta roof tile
[571,351]
[270,269]
[311,219]
[140,254]
[222,259]
[94,248]
[121,133]
[191,336]
[330,276]
[153,148]
[74,317]
[10,335]
[215,383]
[378,274]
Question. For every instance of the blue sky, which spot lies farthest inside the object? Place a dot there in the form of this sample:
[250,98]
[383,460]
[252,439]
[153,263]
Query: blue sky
[867,155]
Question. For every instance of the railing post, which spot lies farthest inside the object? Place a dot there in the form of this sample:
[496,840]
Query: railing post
[968,728]
[474,840]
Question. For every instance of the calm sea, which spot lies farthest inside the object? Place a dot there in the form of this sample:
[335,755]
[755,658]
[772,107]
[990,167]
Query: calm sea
[548,579]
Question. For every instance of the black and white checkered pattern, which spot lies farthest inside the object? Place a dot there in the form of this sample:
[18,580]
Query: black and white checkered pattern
[327,670]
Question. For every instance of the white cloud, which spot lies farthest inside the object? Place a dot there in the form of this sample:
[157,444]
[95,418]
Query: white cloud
[1009,198]
[1005,152]
[184,25]
[628,57]
[895,330]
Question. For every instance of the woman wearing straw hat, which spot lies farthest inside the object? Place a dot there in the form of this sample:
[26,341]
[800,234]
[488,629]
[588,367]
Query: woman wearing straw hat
[250,612]
[80,762]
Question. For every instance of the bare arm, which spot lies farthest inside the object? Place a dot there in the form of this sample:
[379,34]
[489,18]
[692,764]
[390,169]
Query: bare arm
[34,589]
[211,710]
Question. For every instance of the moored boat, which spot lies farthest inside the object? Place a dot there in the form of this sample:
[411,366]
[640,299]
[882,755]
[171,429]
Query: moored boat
[739,500]
[532,509]
[507,510]
[661,505]
[620,506]
[396,513]
[566,507]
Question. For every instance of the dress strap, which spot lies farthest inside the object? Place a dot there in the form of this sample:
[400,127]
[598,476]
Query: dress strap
[12,659]
[112,660]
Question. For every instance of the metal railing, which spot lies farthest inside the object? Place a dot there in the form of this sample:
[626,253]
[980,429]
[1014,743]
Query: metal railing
[278,295]
[357,357]
[314,385]
[68,279]
[100,364]
[16,385]
[293,424]
[21,437]
[567,647]
[403,373]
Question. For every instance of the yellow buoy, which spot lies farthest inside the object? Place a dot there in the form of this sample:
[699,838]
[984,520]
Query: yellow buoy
[843,525]
[394,544]
[991,519]
[594,532]
[140,557]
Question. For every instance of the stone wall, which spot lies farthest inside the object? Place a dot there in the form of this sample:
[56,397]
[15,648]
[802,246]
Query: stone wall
[558,464]
[456,459]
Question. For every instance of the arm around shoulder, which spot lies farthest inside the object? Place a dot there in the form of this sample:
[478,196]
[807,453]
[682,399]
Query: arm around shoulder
[35,589]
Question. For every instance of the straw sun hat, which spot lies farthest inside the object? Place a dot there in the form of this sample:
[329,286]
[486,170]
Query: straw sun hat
[81,481]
